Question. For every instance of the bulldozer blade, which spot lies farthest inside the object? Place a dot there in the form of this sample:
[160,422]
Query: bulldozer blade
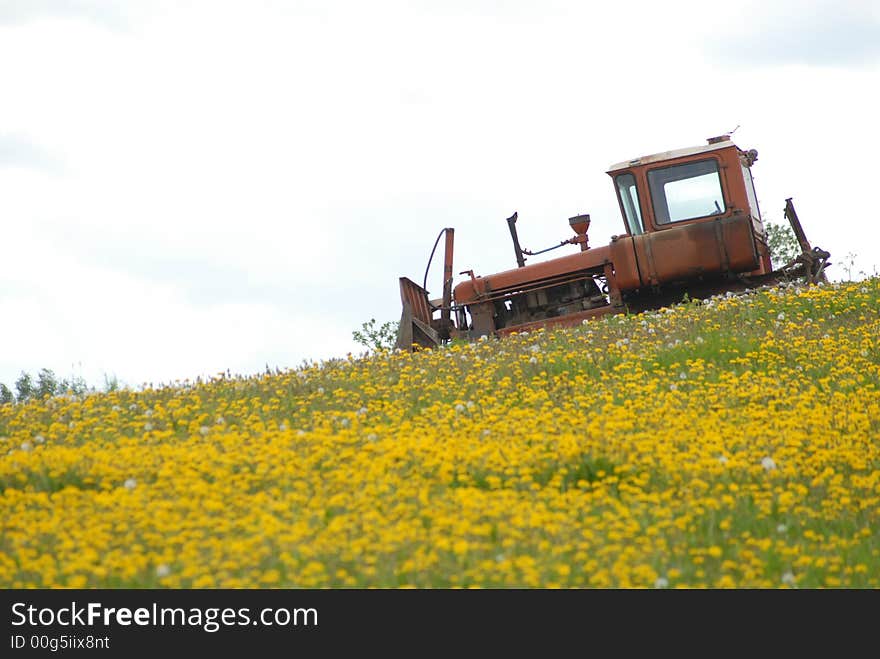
[415,321]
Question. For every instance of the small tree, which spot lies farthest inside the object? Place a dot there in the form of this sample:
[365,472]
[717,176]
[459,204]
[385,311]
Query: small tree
[5,394]
[24,387]
[371,337]
[782,242]
[47,384]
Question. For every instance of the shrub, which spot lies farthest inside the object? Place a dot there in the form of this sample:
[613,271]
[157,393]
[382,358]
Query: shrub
[383,337]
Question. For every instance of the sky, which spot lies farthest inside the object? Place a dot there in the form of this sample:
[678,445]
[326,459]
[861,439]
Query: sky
[195,187]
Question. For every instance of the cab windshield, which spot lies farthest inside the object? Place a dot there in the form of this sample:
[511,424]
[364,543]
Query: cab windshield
[685,192]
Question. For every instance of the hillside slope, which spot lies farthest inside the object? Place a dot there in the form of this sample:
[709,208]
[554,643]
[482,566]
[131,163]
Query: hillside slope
[729,443]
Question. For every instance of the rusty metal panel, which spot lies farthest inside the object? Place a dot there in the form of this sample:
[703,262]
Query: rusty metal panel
[626,271]
[699,248]
[415,296]
[483,316]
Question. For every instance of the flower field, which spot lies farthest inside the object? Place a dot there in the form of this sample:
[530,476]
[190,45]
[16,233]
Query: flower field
[733,442]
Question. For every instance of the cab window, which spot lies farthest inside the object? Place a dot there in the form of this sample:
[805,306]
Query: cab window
[629,201]
[685,192]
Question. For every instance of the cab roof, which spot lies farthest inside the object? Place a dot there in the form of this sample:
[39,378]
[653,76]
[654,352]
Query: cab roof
[715,144]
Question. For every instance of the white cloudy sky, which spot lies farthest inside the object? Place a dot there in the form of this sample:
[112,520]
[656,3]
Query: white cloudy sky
[193,186]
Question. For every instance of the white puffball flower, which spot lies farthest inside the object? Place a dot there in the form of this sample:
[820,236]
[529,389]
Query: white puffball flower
[661,582]
[129,484]
[162,570]
[768,463]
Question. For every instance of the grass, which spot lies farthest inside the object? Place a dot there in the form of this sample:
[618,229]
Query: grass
[729,442]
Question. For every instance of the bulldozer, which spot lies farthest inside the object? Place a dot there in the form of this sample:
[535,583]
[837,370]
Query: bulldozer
[692,229]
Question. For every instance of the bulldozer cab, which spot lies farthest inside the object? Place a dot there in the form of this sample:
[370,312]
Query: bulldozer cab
[688,213]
